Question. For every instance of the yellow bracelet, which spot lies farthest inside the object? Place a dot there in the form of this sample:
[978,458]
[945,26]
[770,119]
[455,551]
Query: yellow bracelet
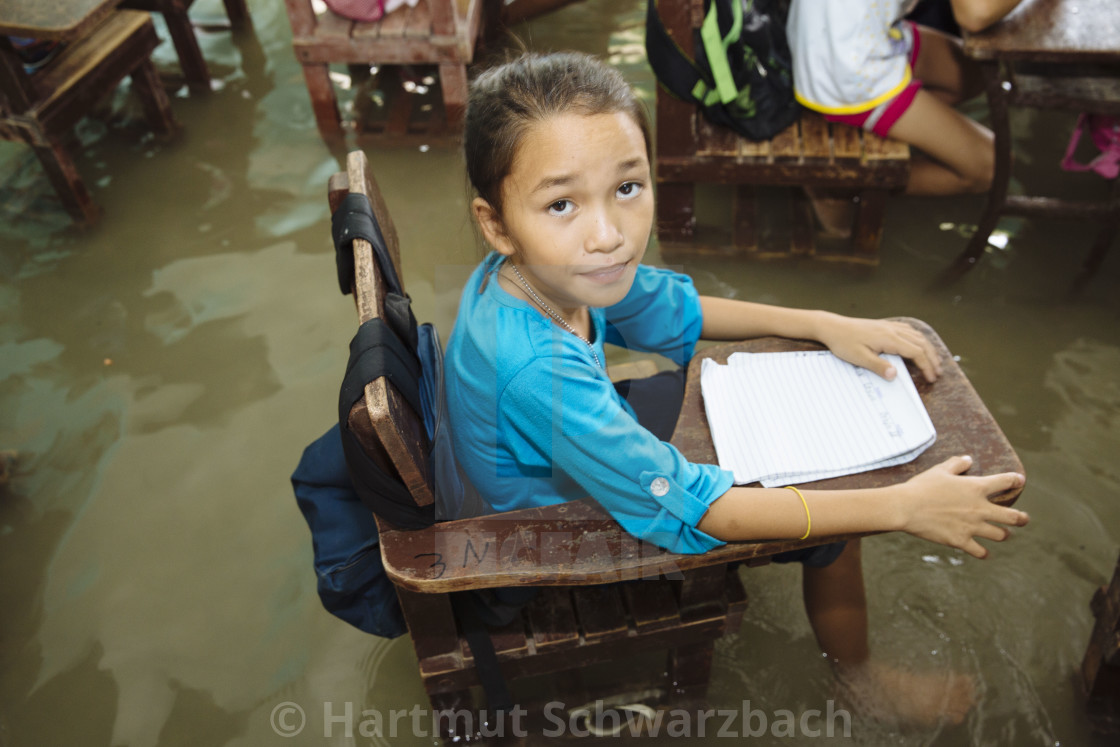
[808,518]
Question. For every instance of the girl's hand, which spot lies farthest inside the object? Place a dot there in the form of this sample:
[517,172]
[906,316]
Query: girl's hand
[945,506]
[859,342]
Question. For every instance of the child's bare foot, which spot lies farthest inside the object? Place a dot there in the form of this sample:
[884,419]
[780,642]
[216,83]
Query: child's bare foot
[833,211]
[908,698]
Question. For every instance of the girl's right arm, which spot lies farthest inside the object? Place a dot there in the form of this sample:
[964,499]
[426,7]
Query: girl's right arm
[941,505]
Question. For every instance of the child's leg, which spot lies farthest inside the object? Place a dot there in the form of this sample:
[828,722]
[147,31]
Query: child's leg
[944,69]
[958,154]
[836,603]
[837,606]
[960,151]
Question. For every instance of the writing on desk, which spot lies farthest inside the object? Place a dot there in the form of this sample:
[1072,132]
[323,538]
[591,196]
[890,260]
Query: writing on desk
[523,551]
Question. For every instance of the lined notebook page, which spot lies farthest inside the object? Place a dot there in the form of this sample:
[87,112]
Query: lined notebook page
[793,417]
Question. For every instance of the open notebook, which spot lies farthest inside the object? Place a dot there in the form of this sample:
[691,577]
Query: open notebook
[794,417]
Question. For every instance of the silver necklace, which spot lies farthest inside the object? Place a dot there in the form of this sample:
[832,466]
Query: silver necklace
[548,310]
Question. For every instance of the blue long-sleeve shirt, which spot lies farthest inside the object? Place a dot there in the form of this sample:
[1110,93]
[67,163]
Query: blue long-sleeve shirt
[536,421]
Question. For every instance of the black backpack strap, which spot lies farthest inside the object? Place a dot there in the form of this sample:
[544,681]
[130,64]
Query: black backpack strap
[486,665]
[354,219]
[377,351]
[476,612]
[684,77]
[675,70]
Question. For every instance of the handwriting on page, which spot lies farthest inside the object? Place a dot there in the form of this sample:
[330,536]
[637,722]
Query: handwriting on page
[799,416]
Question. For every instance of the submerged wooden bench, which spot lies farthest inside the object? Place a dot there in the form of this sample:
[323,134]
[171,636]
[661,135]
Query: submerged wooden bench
[810,153]
[41,109]
[440,33]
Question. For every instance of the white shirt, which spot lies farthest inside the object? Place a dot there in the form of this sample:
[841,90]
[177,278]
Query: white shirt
[849,55]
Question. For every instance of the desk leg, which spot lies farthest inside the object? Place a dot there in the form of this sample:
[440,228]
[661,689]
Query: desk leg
[191,62]
[999,103]
[323,101]
[238,12]
[67,182]
[1104,239]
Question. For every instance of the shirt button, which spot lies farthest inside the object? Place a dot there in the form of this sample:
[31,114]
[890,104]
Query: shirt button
[659,487]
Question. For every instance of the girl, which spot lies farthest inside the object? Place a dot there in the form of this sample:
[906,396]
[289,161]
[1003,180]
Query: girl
[860,63]
[558,149]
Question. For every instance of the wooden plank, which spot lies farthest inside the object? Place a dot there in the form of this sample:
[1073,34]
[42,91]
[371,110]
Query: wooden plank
[510,640]
[786,146]
[876,150]
[652,605]
[701,592]
[600,612]
[737,602]
[552,619]
[444,17]
[845,142]
[714,140]
[424,20]
[816,145]
[754,149]
[329,24]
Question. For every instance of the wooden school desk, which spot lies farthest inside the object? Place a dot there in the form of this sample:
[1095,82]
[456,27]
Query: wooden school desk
[1047,54]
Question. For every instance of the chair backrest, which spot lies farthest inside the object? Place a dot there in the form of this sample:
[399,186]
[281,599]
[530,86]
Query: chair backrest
[390,431]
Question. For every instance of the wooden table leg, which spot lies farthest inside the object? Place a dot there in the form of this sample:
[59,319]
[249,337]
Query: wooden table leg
[999,102]
[157,107]
[1103,241]
[323,100]
[867,228]
[191,61]
[238,14]
[67,182]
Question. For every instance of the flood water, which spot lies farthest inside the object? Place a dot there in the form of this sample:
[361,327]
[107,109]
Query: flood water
[160,375]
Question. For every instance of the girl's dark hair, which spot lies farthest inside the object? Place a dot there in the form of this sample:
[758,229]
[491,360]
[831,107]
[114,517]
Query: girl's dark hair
[504,101]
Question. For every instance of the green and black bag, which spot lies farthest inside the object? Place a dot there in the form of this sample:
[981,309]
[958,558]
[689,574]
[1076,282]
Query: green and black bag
[742,76]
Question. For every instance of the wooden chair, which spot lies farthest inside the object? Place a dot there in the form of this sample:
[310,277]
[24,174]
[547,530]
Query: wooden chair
[1100,669]
[175,14]
[810,153]
[41,109]
[443,33]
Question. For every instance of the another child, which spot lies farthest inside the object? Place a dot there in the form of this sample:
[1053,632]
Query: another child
[558,149]
[859,62]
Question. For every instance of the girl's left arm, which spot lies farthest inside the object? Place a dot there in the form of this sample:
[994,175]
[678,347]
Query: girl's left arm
[858,341]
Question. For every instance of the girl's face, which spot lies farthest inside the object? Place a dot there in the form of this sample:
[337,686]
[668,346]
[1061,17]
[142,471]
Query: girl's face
[577,208]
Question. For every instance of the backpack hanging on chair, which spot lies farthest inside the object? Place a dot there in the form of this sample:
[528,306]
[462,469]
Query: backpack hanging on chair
[742,76]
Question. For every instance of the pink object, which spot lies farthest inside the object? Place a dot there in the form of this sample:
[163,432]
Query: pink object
[358,10]
[1105,134]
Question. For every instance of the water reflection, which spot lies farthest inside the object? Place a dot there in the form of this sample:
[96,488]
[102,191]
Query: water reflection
[160,375]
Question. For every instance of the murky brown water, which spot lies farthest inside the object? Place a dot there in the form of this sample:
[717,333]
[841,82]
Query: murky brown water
[161,374]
